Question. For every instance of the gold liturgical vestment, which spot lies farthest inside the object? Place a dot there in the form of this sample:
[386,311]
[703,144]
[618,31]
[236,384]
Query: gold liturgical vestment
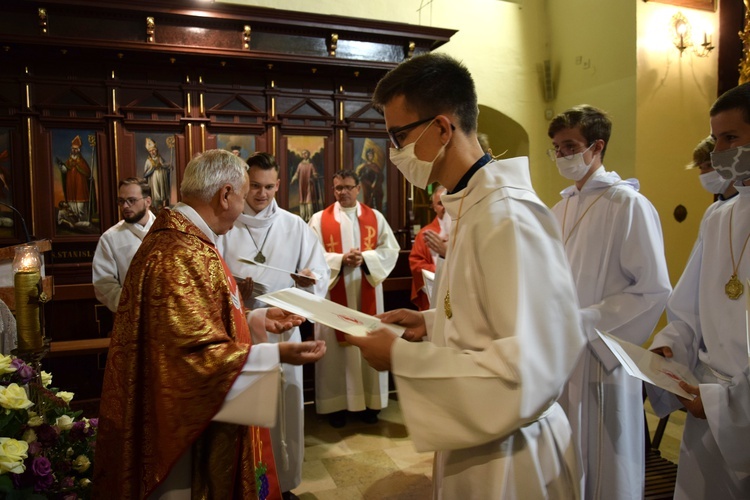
[179,341]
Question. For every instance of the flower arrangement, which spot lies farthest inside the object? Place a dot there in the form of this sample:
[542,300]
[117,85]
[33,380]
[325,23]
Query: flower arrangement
[46,450]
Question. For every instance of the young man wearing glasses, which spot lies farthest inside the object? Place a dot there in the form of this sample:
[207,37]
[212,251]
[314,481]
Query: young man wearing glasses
[505,333]
[361,251]
[119,243]
[613,240]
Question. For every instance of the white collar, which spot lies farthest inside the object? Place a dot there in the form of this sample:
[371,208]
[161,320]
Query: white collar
[196,219]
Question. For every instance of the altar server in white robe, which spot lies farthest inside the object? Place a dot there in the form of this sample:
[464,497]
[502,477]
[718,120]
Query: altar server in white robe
[118,244]
[707,328]
[268,234]
[613,240]
[361,252]
[506,333]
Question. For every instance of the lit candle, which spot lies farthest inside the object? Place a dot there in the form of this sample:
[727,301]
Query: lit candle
[27,269]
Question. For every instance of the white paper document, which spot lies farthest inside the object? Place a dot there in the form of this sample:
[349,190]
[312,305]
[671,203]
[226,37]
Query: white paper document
[324,311]
[429,283]
[649,366]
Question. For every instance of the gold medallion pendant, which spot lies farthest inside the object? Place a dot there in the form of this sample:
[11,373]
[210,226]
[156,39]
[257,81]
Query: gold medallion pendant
[734,288]
[447,304]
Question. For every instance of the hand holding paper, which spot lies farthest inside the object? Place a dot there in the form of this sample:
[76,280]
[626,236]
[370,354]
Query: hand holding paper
[650,367]
[324,311]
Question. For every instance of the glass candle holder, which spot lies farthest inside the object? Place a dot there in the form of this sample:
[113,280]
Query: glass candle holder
[27,266]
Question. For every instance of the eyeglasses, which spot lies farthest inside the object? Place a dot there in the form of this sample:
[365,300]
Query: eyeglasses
[125,202]
[393,133]
[565,151]
[342,188]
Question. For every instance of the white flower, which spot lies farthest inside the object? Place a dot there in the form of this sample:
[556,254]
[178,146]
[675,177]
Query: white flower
[29,436]
[81,463]
[65,396]
[35,421]
[5,364]
[64,422]
[12,455]
[46,379]
[14,397]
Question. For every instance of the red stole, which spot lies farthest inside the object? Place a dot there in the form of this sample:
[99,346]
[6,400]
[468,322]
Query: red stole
[266,480]
[368,240]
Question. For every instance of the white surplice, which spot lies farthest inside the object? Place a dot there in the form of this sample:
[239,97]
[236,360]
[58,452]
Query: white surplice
[707,331]
[287,244]
[482,391]
[615,247]
[343,380]
[112,258]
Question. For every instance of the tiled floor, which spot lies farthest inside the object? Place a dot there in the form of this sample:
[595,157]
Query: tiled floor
[378,462]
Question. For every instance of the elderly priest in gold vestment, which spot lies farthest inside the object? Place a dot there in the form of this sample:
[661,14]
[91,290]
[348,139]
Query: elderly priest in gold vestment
[180,346]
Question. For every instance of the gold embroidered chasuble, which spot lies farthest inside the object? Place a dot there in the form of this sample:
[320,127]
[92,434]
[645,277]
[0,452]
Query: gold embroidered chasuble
[178,343]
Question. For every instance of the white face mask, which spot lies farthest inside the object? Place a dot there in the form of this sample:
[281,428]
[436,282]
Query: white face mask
[573,167]
[714,183]
[732,164]
[415,170]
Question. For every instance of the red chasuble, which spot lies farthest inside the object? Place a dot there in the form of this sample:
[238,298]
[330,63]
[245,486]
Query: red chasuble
[420,258]
[179,341]
[368,234]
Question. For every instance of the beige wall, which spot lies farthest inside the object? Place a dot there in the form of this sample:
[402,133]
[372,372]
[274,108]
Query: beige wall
[614,54]
[674,95]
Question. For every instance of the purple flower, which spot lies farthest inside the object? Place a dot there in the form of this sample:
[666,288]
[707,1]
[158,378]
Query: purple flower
[35,448]
[46,435]
[67,483]
[23,371]
[94,422]
[78,431]
[43,483]
[41,467]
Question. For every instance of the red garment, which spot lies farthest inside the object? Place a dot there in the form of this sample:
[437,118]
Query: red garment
[421,258]
[77,179]
[330,228]
[179,341]
[305,173]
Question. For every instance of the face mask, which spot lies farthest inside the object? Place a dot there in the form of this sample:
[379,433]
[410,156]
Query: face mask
[415,170]
[732,164]
[714,183]
[573,167]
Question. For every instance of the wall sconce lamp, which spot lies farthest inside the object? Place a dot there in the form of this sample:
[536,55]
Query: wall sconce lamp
[683,38]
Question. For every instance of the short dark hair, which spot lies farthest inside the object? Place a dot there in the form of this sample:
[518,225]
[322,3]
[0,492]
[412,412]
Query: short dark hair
[346,173]
[145,188]
[264,161]
[593,123]
[432,84]
[736,98]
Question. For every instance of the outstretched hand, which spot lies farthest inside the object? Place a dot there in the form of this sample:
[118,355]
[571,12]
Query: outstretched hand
[413,321]
[279,320]
[694,406]
[299,353]
[375,347]
[304,278]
